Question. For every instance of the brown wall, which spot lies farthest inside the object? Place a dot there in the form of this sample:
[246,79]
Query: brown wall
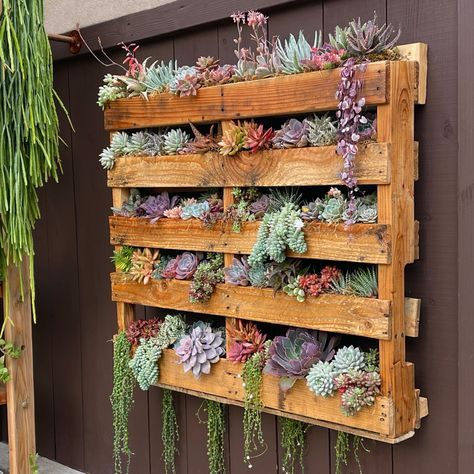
[73,353]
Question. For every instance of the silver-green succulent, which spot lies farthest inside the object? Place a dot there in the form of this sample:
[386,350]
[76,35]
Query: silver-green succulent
[158,76]
[322,131]
[175,141]
[348,358]
[320,379]
[294,51]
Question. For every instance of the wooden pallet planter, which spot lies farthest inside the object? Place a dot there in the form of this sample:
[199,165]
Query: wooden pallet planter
[393,88]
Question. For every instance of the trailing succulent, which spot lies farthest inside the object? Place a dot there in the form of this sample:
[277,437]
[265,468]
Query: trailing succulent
[293,437]
[290,357]
[144,363]
[200,348]
[278,231]
[353,373]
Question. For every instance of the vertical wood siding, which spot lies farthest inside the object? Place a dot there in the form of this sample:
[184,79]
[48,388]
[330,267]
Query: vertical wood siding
[73,352]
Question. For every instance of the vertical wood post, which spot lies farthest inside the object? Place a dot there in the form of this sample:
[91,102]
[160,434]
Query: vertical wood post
[125,311]
[395,125]
[228,200]
[20,389]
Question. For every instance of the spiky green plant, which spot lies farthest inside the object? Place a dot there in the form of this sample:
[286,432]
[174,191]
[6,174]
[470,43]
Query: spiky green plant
[364,282]
[29,139]
[158,76]
[122,258]
[293,51]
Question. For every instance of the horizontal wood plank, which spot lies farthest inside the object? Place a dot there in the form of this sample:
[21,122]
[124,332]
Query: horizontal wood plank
[334,313]
[368,243]
[311,166]
[225,382]
[281,95]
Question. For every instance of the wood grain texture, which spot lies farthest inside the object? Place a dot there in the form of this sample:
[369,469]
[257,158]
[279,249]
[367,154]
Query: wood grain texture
[312,166]
[395,123]
[367,243]
[412,317]
[281,95]
[224,382]
[20,389]
[336,313]
[418,52]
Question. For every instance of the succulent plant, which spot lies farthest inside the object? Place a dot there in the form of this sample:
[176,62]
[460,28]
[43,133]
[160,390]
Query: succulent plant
[294,51]
[175,141]
[233,139]
[238,272]
[136,143]
[160,267]
[154,206]
[259,207]
[122,258]
[257,138]
[142,329]
[220,75]
[173,213]
[281,274]
[367,214]
[187,265]
[277,232]
[153,145]
[201,143]
[339,40]
[200,348]
[320,379]
[119,143]
[107,158]
[247,340]
[334,210]
[144,363]
[196,210]
[348,358]
[370,38]
[312,210]
[358,390]
[158,76]
[293,288]
[185,81]
[169,271]
[208,274]
[111,90]
[292,134]
[258,276]
[291,356]
[143,265]
[324,57]
[363,282]
[322,131]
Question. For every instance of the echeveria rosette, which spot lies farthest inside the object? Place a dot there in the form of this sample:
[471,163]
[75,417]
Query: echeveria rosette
[293,134]
[291,357]
[349,116]
[238,273]
[200,348]
[155,206]
[187,265]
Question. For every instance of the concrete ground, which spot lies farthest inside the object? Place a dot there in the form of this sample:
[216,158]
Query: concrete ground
[45,465]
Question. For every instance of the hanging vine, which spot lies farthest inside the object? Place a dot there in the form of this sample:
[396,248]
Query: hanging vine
[292,441]
[169,432]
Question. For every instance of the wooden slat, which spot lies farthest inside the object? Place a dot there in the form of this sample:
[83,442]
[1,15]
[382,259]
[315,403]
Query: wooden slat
[225,382]
[412,316]
[20,389]
[418,52]
[282,95]
[368,243]
[310,166]
[335,313]
[395,124]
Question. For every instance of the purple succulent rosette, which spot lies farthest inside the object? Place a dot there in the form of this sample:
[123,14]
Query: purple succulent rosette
[291,356]
[260,206]
[238,273]
[154,206]
[170,270]
[187,265]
